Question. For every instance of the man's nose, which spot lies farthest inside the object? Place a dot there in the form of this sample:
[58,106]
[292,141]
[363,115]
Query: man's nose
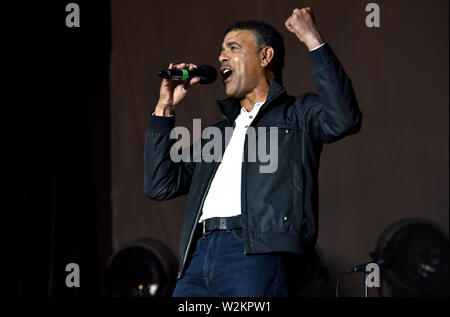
[223,56]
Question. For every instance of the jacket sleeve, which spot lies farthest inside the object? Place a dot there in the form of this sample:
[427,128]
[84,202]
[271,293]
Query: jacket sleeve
[163,178]
[334,113]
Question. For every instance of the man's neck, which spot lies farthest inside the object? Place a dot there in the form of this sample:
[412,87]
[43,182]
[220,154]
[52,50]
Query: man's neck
[258,94]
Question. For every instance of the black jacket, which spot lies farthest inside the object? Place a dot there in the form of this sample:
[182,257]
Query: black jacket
[279,209]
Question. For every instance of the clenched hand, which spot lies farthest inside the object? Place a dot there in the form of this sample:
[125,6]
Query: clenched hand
[302,24]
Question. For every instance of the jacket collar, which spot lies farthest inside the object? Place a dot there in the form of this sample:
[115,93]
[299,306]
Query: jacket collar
[231,107]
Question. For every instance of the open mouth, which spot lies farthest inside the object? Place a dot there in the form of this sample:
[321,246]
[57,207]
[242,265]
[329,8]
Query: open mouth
[226,73]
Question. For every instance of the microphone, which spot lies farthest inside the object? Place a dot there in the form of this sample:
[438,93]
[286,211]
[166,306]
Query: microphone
[385,261]
[206,73]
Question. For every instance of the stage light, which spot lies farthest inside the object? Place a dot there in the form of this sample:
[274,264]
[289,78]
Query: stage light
[145,268]
[419,249]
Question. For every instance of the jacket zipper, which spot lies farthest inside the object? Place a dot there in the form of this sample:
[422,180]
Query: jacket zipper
[244,192]
[197,217]
[243,174]
[244,181]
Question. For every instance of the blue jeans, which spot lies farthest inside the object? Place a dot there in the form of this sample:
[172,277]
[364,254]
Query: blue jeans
[219,268]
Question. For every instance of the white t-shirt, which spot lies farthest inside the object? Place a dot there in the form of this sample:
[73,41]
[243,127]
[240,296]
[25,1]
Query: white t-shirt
[224,195]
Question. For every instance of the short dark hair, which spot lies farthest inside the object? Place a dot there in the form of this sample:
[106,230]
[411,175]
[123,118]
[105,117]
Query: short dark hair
[266,35]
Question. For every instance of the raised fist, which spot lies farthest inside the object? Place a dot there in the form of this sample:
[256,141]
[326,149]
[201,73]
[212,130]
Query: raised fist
[302,24]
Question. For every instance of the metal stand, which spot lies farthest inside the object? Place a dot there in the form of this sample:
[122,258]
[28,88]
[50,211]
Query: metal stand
[366,289]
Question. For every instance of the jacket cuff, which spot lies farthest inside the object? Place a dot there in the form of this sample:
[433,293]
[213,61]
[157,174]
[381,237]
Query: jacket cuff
[161,124]
[321,56]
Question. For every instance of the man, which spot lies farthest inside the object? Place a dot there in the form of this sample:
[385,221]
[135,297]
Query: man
[239,222]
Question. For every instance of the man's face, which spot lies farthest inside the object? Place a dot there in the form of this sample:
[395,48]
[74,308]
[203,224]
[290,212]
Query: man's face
[240,63]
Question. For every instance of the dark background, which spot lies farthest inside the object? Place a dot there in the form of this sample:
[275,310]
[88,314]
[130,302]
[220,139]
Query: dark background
[60,156]
[82,99]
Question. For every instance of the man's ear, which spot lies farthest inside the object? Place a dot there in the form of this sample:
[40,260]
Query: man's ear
[266,55]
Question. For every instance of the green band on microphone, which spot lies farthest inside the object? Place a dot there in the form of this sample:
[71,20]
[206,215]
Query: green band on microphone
[185,74]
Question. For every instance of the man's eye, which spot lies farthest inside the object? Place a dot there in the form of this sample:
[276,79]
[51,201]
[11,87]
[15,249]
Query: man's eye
[234,48]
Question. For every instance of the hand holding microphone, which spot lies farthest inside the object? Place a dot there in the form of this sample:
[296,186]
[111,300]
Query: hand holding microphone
[173,91]
[176,83]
